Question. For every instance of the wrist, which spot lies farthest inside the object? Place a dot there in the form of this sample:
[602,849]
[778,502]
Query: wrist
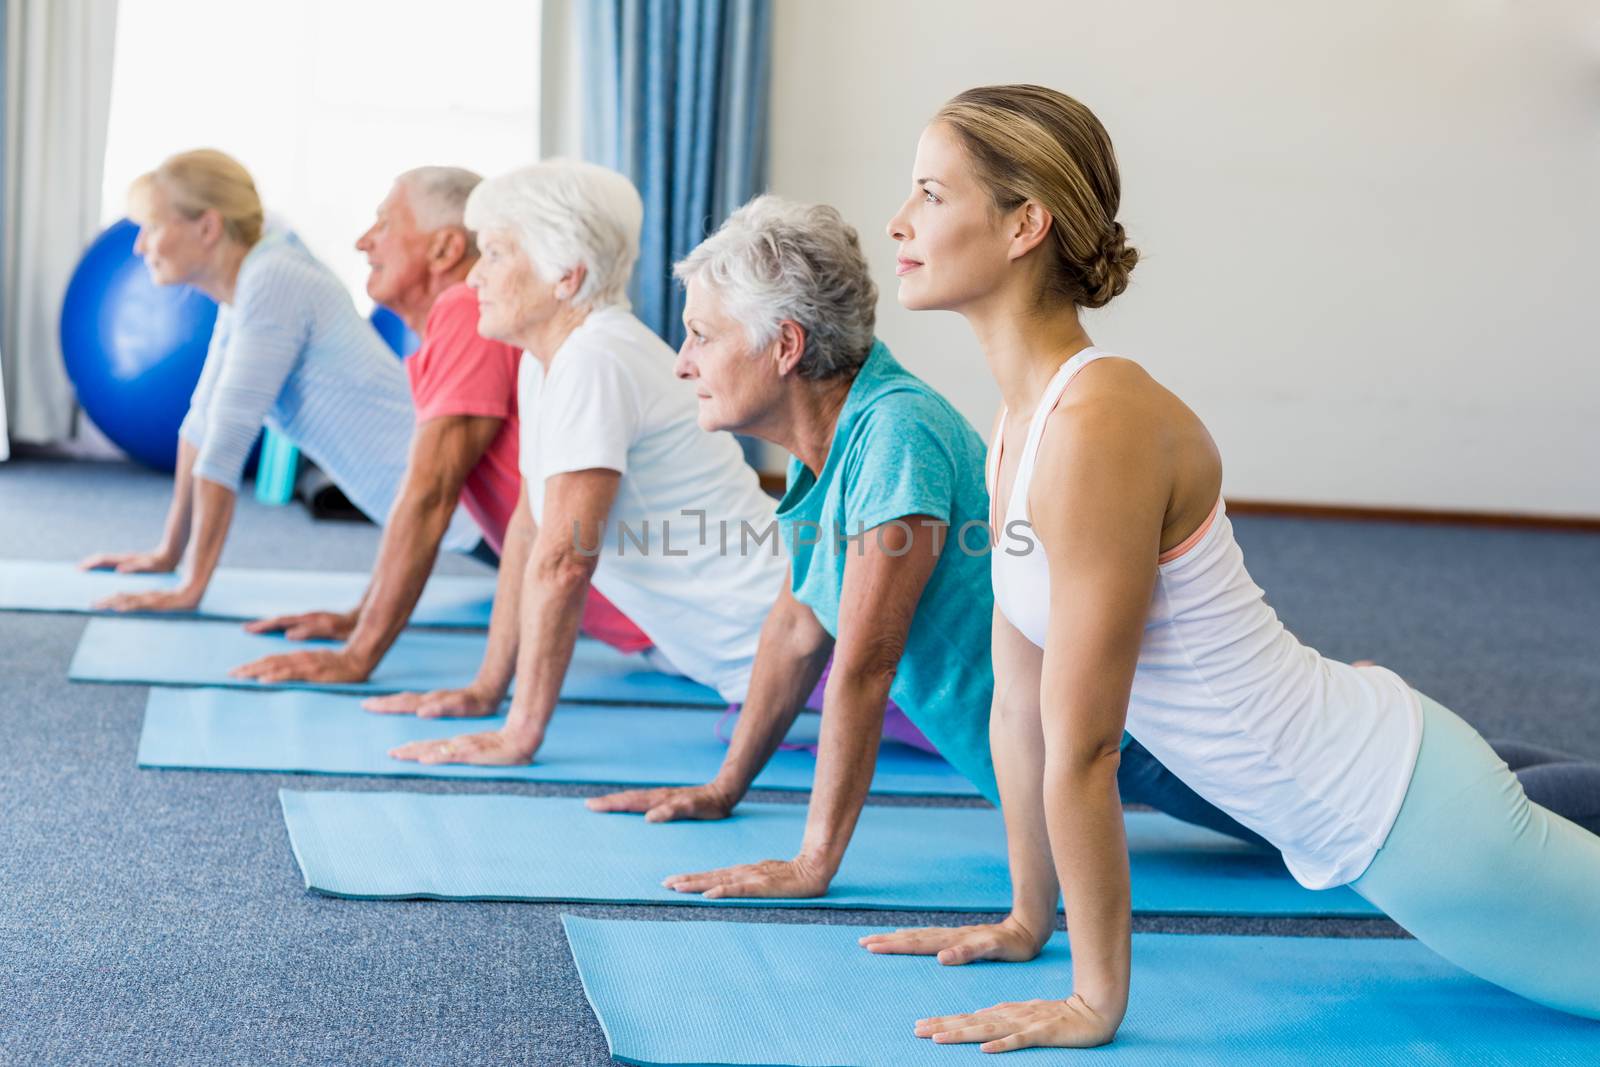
[523,730]
[822,859]
[1036,929]
[362,651]
[488,691]
[728,791]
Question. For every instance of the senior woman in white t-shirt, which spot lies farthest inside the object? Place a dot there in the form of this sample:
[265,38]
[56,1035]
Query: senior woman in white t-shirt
[620,486]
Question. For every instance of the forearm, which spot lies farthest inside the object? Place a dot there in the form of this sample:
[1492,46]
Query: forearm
[847,754]
[1088,840]
[406,558]
[553,591]
[1017,744]
[785,673]
[175,533]
[505,620]
[213,514]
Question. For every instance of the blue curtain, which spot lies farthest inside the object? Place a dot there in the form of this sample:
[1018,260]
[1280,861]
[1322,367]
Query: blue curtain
[676,99]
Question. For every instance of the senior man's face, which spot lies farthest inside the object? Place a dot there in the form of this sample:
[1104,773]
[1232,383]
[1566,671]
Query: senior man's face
[397,252]
[512,297]
[733,384]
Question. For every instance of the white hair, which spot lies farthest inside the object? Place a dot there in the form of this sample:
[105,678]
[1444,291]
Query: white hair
[778,260]
[438,195]
[564,213]
[438,198]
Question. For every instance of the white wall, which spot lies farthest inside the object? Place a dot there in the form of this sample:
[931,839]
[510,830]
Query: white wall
[1371,231]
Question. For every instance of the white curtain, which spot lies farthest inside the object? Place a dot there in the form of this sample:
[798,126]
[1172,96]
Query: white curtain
[58,57]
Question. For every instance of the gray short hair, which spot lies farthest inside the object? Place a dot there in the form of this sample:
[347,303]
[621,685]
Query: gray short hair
[564,213]
[438,197]
[776,260]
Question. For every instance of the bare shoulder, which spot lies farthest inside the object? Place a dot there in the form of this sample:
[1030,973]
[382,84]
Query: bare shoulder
[1117,397]
[1111,403]
[1123,442]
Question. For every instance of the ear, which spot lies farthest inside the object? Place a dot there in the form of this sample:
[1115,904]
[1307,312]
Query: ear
[211,227]
[446,248]
[571,282]
[1030,224]
[789,347]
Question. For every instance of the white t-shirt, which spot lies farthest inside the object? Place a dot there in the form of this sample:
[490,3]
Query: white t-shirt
[700,588]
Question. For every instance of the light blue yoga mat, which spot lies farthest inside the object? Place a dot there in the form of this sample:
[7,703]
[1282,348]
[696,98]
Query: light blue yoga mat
[777,995]
[496,847]
[457,601]
[328,733]
[193,652]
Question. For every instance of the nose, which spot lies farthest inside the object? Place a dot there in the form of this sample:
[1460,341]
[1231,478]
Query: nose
[138,242]
[474,279]
[364,242]
[683,367]
[899,228]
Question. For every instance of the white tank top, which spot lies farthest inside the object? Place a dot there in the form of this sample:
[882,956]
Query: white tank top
[1312,754]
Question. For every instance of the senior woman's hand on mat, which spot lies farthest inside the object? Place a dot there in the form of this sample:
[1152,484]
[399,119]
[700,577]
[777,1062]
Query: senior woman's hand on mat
[308,625]
[807,875]
[469,703]
[670,803]
[312,665]
[492,748]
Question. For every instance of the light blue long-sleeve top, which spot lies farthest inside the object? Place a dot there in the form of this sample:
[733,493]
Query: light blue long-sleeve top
[291,352]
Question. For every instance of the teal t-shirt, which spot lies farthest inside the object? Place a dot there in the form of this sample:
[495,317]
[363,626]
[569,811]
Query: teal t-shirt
[901,449]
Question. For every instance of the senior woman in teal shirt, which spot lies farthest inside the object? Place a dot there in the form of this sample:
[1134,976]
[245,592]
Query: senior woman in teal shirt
[885,521]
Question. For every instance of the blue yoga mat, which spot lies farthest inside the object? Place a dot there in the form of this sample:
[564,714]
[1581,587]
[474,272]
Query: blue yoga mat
[776,995]
[496,847]
[456,601]
[190,652]
[328,733]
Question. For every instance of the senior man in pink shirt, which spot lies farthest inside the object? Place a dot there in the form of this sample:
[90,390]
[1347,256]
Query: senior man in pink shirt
[465,391]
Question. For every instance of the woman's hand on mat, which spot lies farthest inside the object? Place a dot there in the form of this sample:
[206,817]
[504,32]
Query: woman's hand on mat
[468,703]
[799,877]
[493,748]
[308,626]
[1069,1023]
[313,665]
[668,803]
[1007,941]
[157,562]
[180,599]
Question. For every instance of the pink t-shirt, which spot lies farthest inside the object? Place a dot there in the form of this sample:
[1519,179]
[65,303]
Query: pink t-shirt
[458,372]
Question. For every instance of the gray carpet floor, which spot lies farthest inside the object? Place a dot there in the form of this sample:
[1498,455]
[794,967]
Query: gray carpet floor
[158,917]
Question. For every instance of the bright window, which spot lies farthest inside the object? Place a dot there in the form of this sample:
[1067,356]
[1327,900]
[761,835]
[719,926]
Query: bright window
[324,102]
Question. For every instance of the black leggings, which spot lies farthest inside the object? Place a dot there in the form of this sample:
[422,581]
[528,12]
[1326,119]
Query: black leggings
[1566,785]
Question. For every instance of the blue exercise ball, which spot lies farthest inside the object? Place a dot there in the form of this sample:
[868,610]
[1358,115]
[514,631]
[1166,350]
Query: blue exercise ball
[394,331]
[133,348]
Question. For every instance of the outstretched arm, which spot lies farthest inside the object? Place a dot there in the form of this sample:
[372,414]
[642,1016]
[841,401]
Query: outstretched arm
[554,587]
[1017,743]
[1102,484]
[486,692]
[789,659]
[211,511]
[174,534]
[883,584]
[443,453]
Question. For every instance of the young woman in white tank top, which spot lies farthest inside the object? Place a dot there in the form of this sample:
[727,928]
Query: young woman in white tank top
[1122,599]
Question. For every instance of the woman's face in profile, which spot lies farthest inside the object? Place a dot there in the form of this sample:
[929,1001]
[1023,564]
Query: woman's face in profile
[953,248]
[172,245]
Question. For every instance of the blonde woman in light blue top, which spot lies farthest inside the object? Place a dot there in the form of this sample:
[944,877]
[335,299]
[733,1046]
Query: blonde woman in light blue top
[289,351]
